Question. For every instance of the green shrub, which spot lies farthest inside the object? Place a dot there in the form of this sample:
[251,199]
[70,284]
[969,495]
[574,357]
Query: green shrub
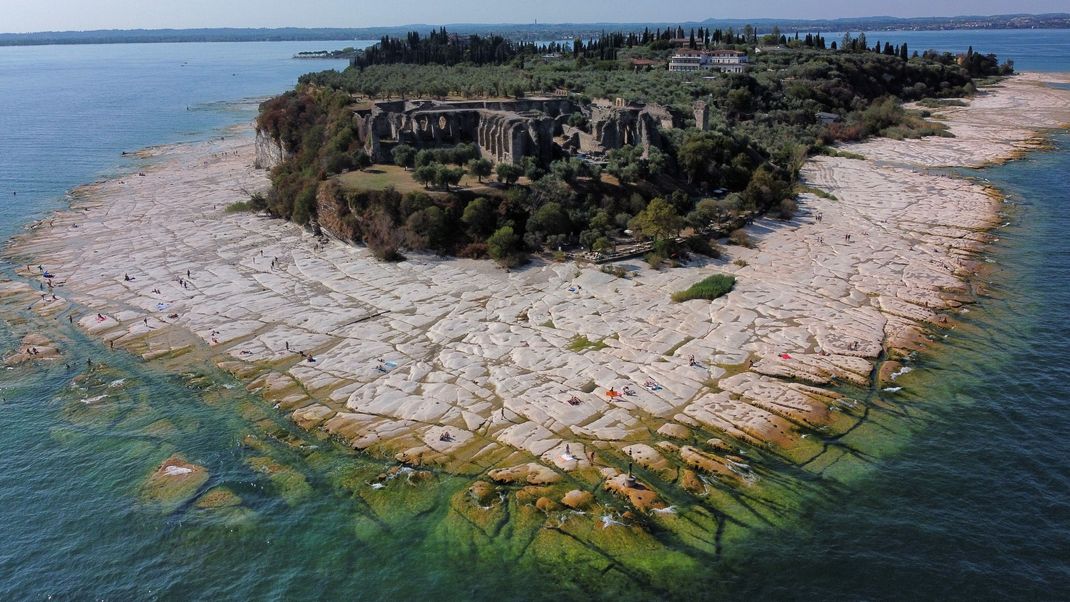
[710,288]
[834,152]
[239,207]
[702,246]
[787,209]
[741,238]
[936,103]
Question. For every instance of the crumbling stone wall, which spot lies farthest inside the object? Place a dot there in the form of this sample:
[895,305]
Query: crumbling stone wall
[505,130]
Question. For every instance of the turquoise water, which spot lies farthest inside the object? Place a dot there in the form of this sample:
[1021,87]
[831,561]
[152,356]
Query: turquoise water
[976,505]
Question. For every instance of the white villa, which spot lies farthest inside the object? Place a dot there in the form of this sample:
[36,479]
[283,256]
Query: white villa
[725,61]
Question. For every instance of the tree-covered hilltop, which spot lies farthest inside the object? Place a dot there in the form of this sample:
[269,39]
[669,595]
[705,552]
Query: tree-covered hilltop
[798,95]
[443,48]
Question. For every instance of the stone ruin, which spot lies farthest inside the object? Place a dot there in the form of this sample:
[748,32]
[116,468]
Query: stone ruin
[507,131]
[702,115]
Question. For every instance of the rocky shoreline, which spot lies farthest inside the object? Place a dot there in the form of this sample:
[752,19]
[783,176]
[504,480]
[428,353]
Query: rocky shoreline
[454,365]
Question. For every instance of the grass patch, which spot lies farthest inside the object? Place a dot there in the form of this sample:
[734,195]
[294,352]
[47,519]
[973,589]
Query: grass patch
[821,194]
[381,177]
[239,207]
[548,324]
[741,263]
[614,270]
[710,288]
[582,343]
[833,152]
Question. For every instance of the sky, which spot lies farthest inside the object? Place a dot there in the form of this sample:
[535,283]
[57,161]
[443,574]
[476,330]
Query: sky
[59,15]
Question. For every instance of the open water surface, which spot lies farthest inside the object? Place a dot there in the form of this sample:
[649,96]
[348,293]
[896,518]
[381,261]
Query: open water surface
[974,505]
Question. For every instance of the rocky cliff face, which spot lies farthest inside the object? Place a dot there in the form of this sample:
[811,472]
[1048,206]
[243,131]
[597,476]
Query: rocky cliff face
[333,214]
[269,152]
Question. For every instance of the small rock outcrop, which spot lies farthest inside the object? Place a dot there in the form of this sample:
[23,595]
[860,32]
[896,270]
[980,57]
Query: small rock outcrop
[269,151]
[577,500]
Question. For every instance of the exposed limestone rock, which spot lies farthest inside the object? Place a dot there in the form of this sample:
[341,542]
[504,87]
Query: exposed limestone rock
[674,431]
[269,151]
[649,458]
[173,483]
[690,482]
[719,445]
[640,496]
[704,462]
[668,446]
[530,493]
[482,492]
[32,348]
[533,474]
[218,497]
[546,504]
[10,288]
[577,500]
[312,416]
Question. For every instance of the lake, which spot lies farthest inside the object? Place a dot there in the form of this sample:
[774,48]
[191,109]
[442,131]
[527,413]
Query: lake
[976,504]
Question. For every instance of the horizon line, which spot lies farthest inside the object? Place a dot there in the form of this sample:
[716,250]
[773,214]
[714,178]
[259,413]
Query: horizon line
[709,20]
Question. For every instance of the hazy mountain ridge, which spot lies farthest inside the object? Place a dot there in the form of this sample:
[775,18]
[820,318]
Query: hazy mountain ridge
[528,31]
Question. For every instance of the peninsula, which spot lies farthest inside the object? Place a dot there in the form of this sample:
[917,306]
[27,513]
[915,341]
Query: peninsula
[566,393]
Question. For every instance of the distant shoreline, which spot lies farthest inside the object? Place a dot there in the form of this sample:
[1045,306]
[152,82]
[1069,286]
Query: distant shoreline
[527,31]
